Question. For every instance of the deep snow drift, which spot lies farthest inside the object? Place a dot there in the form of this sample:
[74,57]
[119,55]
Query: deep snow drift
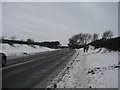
[22,50]
[97,68]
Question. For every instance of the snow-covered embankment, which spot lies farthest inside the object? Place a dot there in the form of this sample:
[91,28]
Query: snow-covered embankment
[22,50]
[93,69]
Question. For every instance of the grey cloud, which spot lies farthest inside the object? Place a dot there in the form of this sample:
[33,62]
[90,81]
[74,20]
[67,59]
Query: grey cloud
[58,21]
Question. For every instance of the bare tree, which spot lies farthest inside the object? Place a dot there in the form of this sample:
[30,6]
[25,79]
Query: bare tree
[73,41]
[95,36]
[13,37]
[79,39]
[107,34]
[86,38]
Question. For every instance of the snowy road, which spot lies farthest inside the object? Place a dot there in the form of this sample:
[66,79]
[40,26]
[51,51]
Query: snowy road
[37,68]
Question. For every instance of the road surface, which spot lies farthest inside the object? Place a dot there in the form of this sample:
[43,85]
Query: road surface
[27,72]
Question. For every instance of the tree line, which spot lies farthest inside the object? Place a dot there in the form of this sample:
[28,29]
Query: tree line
[82,39]
[31,42]
[111,44]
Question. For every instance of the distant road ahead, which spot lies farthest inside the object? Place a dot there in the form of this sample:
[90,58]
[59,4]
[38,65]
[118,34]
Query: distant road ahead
[26,72]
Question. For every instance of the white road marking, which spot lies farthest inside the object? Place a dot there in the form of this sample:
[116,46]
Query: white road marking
[27,62]
[20,64]
[69,54]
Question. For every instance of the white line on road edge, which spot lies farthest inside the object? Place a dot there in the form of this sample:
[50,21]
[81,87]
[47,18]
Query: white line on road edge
[26,62]
[20,64]
[57,77]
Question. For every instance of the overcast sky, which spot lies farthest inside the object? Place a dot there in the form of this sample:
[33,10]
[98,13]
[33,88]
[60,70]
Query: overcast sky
[58,21]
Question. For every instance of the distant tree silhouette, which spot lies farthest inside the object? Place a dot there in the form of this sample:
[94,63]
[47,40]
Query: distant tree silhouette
[13,37]
[107,34]
[74,41]
[95,36]
[78,40]
[54,44]
[87,38]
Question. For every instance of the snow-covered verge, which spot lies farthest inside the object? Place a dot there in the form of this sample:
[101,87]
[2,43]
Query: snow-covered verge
[22,50]
[97,68]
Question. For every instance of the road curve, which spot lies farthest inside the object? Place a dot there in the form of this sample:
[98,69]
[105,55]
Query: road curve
[37,68]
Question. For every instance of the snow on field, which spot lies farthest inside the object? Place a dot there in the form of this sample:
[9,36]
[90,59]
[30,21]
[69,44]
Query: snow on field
[97,68]
[20,50]
[103,69]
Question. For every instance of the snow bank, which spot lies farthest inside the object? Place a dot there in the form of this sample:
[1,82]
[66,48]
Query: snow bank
[18,50]
[96,68]
[101,57]
[103,65]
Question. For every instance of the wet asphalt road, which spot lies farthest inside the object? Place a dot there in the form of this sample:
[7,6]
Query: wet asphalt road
[40,66]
